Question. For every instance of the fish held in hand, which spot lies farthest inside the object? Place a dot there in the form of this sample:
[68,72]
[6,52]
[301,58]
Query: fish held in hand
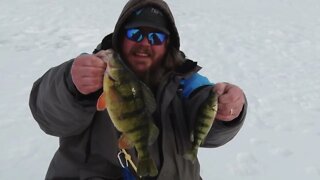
[130,104]
[205,118]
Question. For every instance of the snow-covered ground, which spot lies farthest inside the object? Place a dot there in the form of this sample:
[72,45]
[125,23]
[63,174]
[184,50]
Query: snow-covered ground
[269,48]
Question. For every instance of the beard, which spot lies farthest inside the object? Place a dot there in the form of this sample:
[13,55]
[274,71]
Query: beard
[152,76]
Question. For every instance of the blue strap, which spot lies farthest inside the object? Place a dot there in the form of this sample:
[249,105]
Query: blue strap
[127,174]
[192,83]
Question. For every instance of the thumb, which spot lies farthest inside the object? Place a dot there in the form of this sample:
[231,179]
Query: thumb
[105,55]
[219,88]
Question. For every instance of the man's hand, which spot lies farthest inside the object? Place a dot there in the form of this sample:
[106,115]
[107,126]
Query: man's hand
[230,102]
[87,72]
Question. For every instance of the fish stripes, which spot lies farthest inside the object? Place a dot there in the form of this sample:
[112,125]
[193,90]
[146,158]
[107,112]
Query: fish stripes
[130,105]
[204,120]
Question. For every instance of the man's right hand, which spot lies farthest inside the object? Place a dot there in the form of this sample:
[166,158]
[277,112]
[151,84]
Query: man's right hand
[87,73]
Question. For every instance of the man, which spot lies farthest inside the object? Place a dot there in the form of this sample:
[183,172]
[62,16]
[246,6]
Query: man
[63,100]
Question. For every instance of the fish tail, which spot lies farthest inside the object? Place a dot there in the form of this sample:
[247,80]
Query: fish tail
[191,154]
[147,167]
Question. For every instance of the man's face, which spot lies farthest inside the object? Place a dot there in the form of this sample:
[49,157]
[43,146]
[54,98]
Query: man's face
[141,56]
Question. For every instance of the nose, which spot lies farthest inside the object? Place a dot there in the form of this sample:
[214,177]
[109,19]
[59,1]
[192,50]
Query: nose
[145,41]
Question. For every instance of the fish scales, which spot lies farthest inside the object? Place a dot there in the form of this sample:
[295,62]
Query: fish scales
[204,120]
[130,105]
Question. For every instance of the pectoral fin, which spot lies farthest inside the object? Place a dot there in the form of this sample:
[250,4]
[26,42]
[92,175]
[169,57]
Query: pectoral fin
[124,142]
[101,104]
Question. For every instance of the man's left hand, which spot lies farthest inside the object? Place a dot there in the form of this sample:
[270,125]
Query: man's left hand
[230,102]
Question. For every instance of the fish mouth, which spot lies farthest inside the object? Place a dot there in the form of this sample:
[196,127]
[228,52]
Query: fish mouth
[110,77]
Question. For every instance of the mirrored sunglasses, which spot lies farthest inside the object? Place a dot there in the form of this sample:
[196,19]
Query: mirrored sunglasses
[137,35]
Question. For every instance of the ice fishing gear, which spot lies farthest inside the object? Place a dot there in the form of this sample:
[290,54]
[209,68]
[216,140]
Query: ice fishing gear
[126,171]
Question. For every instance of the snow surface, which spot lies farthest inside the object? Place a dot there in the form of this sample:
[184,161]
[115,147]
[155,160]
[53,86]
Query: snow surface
[270,48]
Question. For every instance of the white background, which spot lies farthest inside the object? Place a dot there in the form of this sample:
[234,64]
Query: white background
[270,48]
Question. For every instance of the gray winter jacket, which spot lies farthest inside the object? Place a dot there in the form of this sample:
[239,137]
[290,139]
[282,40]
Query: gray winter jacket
[88,140]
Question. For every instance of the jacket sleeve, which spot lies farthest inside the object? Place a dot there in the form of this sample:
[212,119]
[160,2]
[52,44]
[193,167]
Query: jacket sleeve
[57,106]
[221,132]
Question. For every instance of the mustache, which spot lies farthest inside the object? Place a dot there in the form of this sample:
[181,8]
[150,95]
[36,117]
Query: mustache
[141,49]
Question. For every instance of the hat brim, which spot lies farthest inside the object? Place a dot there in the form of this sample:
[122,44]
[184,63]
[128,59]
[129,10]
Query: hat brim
[146,24]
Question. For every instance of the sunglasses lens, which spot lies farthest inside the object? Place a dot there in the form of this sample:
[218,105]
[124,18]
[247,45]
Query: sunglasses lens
[135,35]
[156,38]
